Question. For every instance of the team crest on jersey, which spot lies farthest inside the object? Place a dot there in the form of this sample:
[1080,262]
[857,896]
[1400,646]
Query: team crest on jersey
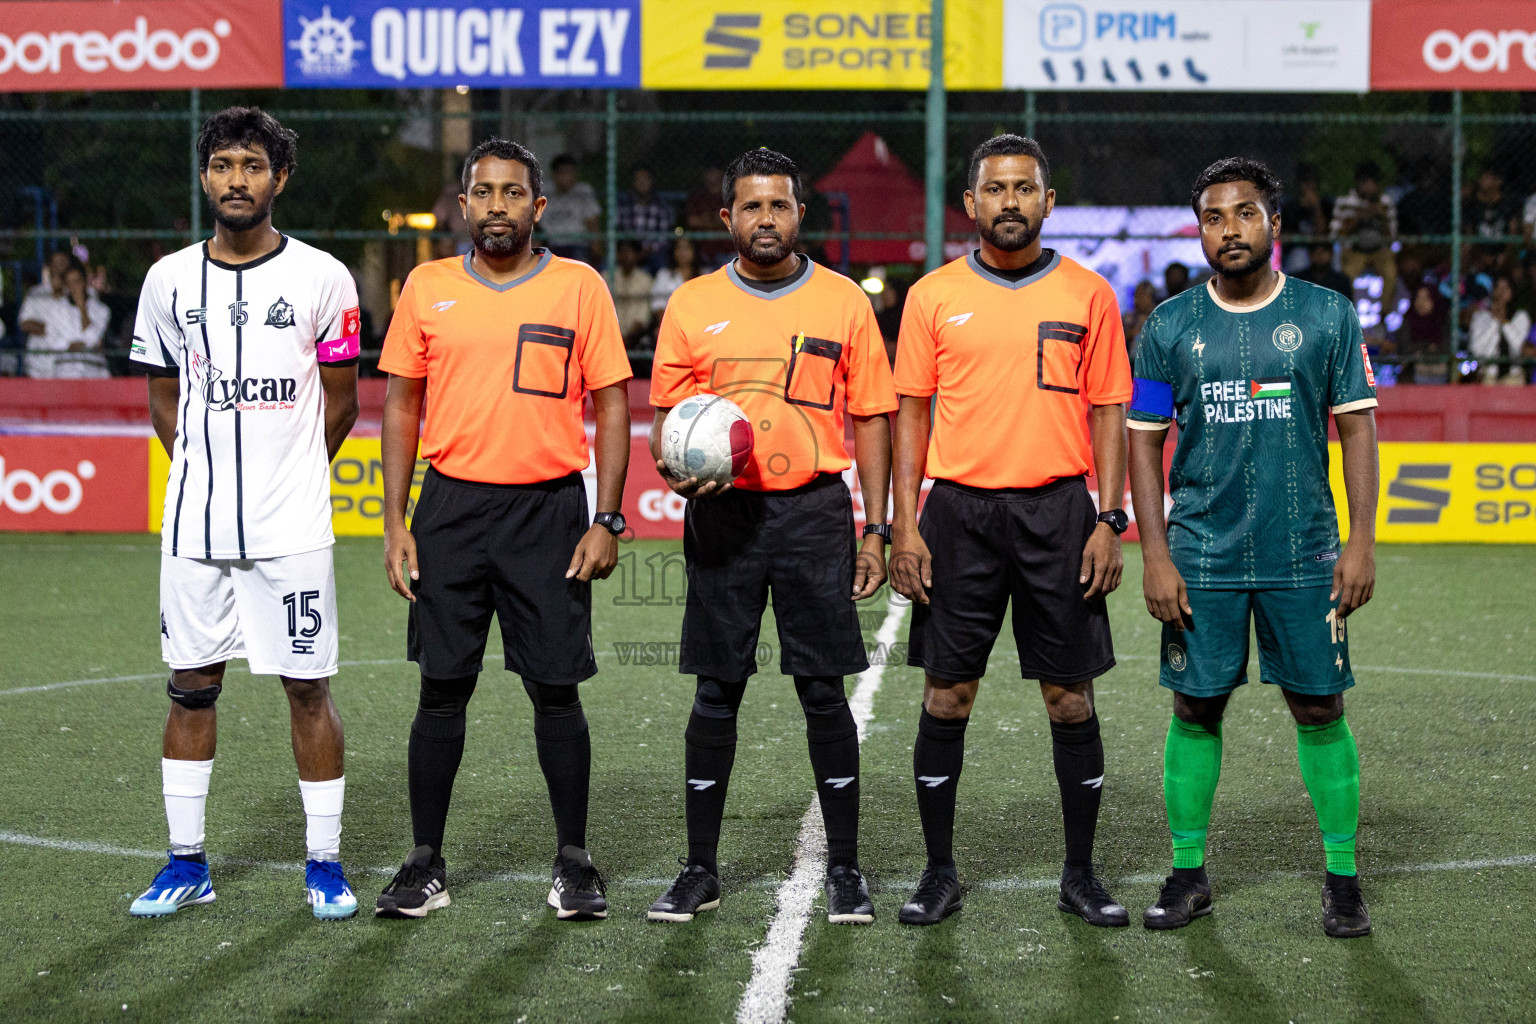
[1177,659]
[280,313]
[1287,337]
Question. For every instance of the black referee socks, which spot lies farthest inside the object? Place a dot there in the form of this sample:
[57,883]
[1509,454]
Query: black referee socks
[1079,755]
[834,745]
[936,759]
[710,753]
[565,754]
[433,754]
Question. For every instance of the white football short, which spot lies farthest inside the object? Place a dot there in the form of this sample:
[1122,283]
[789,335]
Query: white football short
[277,613]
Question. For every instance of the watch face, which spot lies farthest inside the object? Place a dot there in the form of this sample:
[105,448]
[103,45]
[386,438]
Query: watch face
[616,523]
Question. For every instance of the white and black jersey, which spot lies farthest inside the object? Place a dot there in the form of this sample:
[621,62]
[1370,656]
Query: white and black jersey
[249,472]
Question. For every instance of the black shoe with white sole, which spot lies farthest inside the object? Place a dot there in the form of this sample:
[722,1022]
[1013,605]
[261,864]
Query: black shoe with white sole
[419,887]
[1084,895]
[937,896]
[696,890]
[578,890]
[848,899]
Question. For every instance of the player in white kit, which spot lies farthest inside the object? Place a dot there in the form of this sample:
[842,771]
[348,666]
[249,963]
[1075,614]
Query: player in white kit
[251,344]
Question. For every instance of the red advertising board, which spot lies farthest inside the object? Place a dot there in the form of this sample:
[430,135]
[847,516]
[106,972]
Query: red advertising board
[59,483]
[1453,44]
[140,44]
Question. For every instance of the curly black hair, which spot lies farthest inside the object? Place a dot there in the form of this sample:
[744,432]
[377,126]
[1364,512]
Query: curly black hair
[248,127]
[1239,168]
[1007,145]
[505,149]
[753,162]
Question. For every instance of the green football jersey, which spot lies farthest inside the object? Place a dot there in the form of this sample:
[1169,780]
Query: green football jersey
[1251,390]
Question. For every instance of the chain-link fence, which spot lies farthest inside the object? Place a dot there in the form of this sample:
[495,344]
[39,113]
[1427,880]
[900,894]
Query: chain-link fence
[1432,240]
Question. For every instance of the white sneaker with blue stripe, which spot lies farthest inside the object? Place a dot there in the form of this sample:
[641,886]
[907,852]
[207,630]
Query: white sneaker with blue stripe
[330,897]
[181,883]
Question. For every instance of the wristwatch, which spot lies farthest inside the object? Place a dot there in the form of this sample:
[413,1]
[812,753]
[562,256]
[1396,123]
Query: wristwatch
[613,522]
[1117,520]
[879,530]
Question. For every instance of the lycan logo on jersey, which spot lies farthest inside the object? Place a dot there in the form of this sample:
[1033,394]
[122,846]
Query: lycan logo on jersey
[245,394]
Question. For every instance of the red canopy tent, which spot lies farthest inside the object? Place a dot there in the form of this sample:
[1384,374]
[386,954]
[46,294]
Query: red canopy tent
[882,195]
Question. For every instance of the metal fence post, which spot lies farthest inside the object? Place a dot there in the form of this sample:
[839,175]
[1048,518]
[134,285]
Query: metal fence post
[1029,113]
[934,214]
[195,125]
[1458,151]
[611,187]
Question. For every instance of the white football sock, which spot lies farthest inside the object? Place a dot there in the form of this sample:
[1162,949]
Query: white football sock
[322,817]
[185,785]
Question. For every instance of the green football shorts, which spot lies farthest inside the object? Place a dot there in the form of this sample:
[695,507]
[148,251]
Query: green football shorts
[1302,644]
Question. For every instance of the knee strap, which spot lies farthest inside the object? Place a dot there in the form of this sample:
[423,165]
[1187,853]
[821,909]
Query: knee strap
[193,700]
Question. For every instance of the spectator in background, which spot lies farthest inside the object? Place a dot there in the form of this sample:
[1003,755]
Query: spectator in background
[569,210]
[1498,335]
[1319,270]
[1308,212]
[631,287]
[1365,223]
[701,212]
[641,210]
[682,265]
[65,326]
[1489,213]
[1425,329]
[54,269]
[1175,279]
[1143,302]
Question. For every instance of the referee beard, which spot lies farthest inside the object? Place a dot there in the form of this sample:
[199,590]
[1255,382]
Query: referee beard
[501,523]
[1027,538]
[797,541]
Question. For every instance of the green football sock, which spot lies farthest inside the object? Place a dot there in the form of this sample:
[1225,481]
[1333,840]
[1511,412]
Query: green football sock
[1191,766]
[1330,766]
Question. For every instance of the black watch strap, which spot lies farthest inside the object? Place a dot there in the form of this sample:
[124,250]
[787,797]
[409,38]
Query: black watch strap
[1117,520]
[613,522]
[879,530]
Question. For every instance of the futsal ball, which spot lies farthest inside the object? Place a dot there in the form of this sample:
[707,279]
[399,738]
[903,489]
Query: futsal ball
[707,437]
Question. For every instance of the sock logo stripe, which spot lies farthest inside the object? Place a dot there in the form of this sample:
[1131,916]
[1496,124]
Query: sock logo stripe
[933,781]
[700,785]
[1094,783]
[836,783]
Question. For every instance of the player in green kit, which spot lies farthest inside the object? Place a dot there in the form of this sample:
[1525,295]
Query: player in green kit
[1250,366]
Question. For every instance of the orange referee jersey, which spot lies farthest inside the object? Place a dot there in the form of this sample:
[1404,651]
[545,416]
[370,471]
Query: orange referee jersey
[791,359]
[1014,365]
[507,365]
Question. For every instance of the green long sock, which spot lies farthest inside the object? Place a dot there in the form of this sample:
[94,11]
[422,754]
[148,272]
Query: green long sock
[1191,766]
[1330,766]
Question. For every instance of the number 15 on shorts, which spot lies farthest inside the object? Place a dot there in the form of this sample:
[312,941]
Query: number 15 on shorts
[304,621]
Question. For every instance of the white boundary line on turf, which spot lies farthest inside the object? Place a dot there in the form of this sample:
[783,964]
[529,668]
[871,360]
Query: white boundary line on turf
[991,884]
[766,999]
[164,673]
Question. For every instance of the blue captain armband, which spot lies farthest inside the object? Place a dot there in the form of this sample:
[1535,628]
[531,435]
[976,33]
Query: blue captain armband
[1152,397]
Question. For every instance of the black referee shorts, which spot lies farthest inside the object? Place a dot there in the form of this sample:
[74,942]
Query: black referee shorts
[799,545]
[1025,544]
[502,548]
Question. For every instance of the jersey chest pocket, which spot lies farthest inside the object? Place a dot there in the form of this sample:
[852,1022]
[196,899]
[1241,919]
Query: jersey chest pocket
[812,376]
[1058,354]
[543,366]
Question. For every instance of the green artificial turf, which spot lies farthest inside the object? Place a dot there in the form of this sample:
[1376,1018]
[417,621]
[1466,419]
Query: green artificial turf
[1446,778]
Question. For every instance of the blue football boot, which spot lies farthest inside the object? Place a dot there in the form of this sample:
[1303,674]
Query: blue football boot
[330,897]
[181,883]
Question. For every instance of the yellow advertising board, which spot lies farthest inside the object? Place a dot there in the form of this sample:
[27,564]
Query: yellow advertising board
[1446,493]
[816,44]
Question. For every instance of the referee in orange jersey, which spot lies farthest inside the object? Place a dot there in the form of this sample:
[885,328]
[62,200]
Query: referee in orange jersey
[793,344]
[1004,359]
[508,340]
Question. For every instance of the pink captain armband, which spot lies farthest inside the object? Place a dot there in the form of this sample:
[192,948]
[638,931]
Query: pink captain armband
[348,345]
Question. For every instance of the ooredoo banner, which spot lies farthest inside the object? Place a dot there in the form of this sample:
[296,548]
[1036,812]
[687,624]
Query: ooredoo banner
[53,484]
[141,44]
[1452,44]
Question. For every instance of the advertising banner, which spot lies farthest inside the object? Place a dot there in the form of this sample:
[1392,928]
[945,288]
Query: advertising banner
[532,44]
[1435,44]
[1441,493]
[1188,45]
[140,44]
[816,44]
[51,483]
